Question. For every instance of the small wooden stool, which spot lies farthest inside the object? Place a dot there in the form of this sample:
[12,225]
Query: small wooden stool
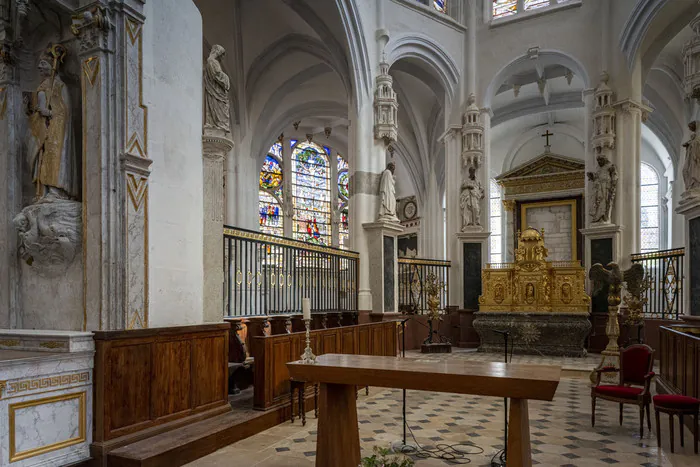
[673,404]
[300,388]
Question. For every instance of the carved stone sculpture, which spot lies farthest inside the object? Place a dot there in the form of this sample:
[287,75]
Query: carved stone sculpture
[50,137]
[470,201]
[216,87]
[604,189]
[49,235]
[387,195]
[691,168]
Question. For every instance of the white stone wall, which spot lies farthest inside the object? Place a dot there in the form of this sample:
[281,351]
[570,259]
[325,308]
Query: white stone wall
[556,222]
[173,94]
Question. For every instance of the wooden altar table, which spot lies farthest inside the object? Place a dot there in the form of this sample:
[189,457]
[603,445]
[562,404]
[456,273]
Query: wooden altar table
[338,442]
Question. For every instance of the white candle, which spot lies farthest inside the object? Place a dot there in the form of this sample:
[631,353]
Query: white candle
[306,307]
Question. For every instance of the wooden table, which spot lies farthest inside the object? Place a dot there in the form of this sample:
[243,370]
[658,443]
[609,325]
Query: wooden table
[338,442]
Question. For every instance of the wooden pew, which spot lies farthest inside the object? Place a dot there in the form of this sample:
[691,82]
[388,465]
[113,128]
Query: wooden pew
[272,353]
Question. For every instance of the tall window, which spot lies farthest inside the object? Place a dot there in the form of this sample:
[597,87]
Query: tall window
[298,179]
[650,209]
[495,223]
[270,195]
[503,8]
[440,5]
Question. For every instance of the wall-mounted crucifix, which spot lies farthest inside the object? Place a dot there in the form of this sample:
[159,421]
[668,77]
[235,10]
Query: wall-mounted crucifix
[547,146]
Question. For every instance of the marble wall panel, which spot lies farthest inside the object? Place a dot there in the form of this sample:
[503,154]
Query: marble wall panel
[601,252]
[389,273]
[472,275]
[694,257]
[557,224]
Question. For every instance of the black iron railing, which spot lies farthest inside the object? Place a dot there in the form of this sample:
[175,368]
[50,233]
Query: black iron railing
[665,272]
[413,273]
[267,275]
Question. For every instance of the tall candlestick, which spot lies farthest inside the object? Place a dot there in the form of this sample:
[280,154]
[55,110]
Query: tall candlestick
[306,308]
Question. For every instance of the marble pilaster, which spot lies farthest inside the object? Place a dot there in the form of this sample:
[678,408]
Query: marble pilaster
[116,173]
[215,151]
[690,209]
[473,256]
[383,265]
[453,180]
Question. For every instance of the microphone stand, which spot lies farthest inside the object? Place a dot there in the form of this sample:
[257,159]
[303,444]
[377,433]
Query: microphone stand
[504,458]
[403,355]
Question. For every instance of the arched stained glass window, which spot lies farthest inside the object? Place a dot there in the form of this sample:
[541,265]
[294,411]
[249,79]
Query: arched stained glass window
[343,200]
[496,255]
[311,193]
[649,218]
[440,5]
[503,8]
[270,196]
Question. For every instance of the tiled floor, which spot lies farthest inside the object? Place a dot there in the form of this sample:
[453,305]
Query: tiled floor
[560,430]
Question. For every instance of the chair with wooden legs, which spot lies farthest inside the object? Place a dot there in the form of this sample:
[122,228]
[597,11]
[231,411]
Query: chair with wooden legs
[675,404]
[299,387]
[636,362]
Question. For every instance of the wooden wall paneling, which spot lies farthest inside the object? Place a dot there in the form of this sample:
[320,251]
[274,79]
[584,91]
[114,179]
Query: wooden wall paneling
[281,354]
[171,374]
[377,339]
[364,340]
[390,339]
[128,384]
[348,340]
[210,370]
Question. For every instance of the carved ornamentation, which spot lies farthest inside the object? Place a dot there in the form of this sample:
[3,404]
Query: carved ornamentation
[691,166]
[216,89]
[533,284]
[92,28]
[604,181]
[49,235]
[387,195]
[471,195]
[691,63]
[26,385]
[472,136]
[386,107]
[548,172]
[509,205]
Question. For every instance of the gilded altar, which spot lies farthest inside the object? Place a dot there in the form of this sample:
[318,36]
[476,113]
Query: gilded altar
[532,284]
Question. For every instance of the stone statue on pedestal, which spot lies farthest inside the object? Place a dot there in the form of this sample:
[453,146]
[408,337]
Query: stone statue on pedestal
[387,195]
[604,189]
[691,168]
[50,142]
[470,201]
[216,87]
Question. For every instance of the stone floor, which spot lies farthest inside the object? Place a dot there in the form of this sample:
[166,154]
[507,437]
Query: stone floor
[560,430]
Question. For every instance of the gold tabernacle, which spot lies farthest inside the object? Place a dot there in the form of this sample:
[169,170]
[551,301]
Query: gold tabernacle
[533,284]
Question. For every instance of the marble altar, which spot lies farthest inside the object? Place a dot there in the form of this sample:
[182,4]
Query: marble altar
[542,304]
[45,397]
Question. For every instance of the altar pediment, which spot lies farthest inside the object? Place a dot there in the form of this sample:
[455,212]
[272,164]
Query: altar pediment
[547,172]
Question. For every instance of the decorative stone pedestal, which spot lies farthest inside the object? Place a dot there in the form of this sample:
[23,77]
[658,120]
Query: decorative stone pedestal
[45,397]
[383,267]
[475,250]
[602,246]
[215,149]
[689,206]
[559,334]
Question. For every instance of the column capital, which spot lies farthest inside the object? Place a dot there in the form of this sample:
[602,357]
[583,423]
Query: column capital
[630,106]
[213,145]
[452,131]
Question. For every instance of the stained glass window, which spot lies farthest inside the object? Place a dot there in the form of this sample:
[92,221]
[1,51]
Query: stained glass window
[649,209]
[343,198]
[496,255]
[534,4]
[440,5]
[502,8]
[269,205]
[311,193]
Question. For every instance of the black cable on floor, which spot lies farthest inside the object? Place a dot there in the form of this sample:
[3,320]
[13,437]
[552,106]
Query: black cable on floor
[446,452]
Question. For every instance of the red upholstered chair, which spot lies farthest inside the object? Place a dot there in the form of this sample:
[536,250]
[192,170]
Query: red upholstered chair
[636,362]
[674,404]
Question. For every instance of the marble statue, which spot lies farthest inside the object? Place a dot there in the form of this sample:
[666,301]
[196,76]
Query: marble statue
[216,87]
[50,136]
[470,201]
[691,168]
[387,195]
[604,188]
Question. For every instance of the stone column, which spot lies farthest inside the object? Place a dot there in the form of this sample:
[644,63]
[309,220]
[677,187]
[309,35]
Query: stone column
[215,151]
[453,166]
[116,166]
[383,265]
[509,230]
[10,189]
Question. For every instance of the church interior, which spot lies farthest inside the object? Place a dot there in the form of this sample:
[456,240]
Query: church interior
[349,233]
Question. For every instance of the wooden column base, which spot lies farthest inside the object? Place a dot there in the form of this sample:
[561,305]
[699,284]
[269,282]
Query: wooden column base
[338,434]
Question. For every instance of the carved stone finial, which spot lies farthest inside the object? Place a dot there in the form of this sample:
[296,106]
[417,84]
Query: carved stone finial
[296,124]
[91,26]
[309,137]
[386,106]
[327,131]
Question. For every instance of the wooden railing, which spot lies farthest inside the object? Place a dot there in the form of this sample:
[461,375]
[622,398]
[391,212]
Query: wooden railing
[271,354]
[413,273]
[665,271]
[679,357]
[268,275]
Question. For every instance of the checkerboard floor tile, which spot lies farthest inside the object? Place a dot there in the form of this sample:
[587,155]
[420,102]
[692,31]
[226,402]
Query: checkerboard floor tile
[561,432]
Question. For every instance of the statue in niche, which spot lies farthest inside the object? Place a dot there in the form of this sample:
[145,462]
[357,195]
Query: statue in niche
[49,230]
[470,201]
[216,87]
[387,195]
[49,142]
[691,168]
[604,189]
